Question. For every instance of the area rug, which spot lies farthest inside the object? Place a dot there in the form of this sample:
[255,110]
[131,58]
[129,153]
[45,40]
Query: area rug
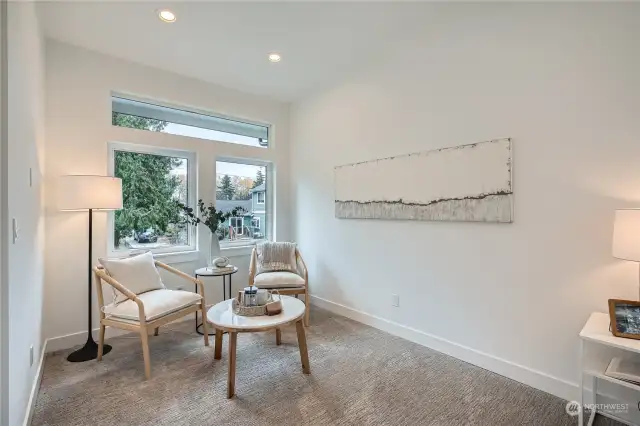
[359,376]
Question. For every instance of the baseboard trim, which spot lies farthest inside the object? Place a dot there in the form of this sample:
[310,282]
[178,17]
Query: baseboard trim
[33,397]
[537,379]
[75,339]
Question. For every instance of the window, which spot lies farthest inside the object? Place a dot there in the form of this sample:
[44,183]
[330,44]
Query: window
[243,183]
[255,222]
[158,118]
[153,180]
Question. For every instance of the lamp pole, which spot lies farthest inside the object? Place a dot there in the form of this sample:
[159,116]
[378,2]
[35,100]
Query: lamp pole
[90,349]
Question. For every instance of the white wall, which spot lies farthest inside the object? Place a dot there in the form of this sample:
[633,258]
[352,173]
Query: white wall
[25,150]
[562,81]
[78,121]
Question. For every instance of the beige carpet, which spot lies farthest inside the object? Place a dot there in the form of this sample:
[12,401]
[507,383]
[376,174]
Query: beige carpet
[359,376]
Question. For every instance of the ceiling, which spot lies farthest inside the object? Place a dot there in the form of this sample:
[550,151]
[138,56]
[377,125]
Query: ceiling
[228,43]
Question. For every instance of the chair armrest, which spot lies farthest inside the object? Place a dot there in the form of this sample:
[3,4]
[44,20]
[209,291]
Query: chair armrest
[181,274]
[253,266]
[113,283]
[100,273]
[302,267]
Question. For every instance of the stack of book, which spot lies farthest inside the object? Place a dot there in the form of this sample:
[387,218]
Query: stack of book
[223,270]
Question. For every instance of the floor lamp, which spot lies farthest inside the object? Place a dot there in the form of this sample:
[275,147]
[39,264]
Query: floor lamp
[89,193]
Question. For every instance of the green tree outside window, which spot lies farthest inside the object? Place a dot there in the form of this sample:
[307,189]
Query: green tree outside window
[149,190]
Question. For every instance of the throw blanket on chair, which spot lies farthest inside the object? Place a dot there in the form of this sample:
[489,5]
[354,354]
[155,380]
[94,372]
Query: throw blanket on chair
[276,257]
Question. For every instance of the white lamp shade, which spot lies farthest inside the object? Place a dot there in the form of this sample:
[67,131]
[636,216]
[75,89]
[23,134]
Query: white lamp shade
[626,235]
[83,192]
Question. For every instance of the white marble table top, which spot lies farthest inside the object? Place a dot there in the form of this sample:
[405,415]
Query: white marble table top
[222,315]
[204,272]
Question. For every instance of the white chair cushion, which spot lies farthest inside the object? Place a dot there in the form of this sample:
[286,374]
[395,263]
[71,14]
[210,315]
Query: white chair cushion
[138,274]
[278,279]
[157,303]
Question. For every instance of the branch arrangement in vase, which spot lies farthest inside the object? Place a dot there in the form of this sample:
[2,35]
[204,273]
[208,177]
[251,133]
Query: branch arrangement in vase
[208,215]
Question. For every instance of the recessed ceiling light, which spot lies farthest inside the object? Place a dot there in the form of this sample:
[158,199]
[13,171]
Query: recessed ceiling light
[166,15]
[274,57]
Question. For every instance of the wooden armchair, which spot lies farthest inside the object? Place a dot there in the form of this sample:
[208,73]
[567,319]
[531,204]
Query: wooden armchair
[149,310]
[285,282]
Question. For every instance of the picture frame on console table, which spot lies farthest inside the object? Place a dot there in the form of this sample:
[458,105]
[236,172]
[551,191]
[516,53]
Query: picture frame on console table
[624,318]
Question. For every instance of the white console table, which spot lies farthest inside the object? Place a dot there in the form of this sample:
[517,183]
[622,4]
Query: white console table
[597,348]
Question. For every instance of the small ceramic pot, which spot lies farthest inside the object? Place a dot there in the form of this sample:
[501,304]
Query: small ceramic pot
[220,262]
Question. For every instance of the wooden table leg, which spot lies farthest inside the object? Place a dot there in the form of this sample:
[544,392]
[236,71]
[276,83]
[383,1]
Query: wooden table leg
[231,381]
[302,343]
[217,354]
[278,336]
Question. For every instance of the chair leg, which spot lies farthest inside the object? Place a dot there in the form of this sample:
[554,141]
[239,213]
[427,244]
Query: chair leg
[205,326]
[155,332]
[307,308]
[101,342]
[145,352]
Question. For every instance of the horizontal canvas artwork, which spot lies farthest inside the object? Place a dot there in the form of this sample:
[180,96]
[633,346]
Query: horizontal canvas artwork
[462,183]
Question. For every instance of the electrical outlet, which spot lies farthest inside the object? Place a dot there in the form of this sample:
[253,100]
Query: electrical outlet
[31,355]
[395,300]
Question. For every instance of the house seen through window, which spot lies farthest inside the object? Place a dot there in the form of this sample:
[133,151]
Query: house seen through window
[242,185]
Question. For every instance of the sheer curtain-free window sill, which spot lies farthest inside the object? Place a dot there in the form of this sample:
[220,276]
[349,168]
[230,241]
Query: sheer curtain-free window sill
[170,257]
[238,248]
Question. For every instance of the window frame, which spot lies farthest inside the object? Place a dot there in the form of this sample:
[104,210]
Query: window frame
[199,118]
[269,211]
[263,197]
[190,251]
[258,221]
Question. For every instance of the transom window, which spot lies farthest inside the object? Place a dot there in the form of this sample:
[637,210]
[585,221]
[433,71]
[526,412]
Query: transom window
[153,180]
[157,118]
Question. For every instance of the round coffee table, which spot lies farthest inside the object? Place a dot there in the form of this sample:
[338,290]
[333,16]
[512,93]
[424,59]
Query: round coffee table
[222,318]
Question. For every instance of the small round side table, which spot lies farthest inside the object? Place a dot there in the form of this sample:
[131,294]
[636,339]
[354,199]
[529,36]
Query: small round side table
[208,272]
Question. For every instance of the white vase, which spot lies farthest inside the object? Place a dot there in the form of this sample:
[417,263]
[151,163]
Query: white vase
[214,248]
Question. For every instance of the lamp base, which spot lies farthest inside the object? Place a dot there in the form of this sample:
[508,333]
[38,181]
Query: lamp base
[88,352]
